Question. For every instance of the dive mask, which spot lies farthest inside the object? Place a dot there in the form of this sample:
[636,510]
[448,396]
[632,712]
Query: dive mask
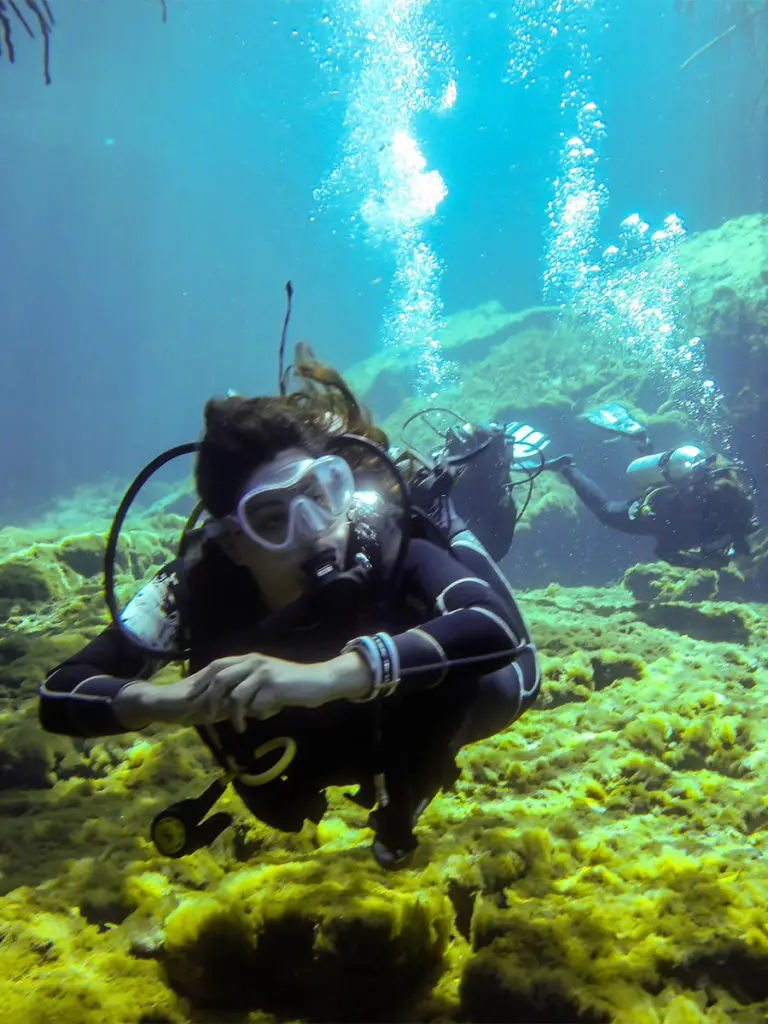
[303,500]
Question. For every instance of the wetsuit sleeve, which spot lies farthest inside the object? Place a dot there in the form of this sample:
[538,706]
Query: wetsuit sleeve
[466,627]
[78,696]
[612,513]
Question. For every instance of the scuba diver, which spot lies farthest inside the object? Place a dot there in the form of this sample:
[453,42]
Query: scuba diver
[474,465]
[699,508]
[329,635]
[468,482]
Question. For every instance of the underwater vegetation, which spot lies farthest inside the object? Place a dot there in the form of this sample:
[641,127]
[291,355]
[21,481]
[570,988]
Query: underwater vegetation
[24,14]
[33,16]
[604,860]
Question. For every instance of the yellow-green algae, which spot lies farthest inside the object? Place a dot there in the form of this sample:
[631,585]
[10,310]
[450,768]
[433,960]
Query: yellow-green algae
[605,859]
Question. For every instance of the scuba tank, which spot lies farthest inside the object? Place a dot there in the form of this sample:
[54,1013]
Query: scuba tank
[677,466]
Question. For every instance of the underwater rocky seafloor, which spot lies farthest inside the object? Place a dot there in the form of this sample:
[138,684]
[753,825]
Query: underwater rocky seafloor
[605,859]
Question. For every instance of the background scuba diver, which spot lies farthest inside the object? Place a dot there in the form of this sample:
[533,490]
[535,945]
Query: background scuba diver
[699,507]
[300,561]
[468,482]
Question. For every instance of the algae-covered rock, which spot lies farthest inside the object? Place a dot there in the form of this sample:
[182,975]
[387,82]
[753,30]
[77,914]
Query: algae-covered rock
[22,585]
[386,379]
[500,985]
[609,667]
[709,621]
[26,761]
[23,582]
[26,658]
[660,581]
[593,862]
[83,554]
[301,943]
[45,977]
[727,298]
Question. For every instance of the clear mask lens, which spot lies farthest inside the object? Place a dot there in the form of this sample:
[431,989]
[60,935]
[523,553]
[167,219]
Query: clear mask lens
[303,500]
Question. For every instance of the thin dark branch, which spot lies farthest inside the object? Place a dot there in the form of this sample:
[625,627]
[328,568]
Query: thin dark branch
[281,371]
[5,26]
[758,98]
[45,29]
[707,46]
[15,8]
[44,14]
[12,11]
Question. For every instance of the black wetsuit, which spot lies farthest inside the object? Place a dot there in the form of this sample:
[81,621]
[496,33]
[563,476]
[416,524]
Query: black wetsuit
[689,528]
[432,492]
[482,499]
[439,614]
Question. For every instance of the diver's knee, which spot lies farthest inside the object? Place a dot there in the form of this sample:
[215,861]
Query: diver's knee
[513,689]
[529,670]
[496,706]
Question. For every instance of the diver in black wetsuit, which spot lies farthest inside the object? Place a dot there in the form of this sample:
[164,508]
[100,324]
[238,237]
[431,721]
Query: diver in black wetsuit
[468,483]
[472,469]
[326,646]
[699,509]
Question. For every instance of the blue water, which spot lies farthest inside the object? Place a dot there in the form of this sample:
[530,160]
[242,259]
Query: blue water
[156,197]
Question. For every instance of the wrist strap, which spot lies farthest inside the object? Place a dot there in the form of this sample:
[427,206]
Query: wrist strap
[380,655]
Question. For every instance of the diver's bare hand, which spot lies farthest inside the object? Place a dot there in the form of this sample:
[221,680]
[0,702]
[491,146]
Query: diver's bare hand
[257,686]
[181,703]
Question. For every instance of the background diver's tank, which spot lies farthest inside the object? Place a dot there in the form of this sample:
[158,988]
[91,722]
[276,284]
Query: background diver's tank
[674,466]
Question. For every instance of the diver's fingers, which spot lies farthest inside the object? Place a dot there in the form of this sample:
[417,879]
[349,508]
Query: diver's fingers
[209,694]
[216,673]
[239,671]
[242,697]
[265,702]
[216,684]
[201,681]
[230,659]
[213,704]
[264,709]
[237,717]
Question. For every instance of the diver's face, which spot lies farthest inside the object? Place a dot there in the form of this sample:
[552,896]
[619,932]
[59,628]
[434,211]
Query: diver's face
[286,512]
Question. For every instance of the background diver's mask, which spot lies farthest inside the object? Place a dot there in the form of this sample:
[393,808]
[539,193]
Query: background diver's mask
[297,504]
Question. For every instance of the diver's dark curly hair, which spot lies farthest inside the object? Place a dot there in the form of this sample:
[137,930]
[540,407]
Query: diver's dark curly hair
[242,434]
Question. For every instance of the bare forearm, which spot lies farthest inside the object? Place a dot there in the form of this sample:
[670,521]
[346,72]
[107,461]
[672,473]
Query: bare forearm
[352,679]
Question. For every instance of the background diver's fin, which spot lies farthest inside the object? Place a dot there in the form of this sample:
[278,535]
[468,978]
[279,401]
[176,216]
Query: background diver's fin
[616,419]
[525,445]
